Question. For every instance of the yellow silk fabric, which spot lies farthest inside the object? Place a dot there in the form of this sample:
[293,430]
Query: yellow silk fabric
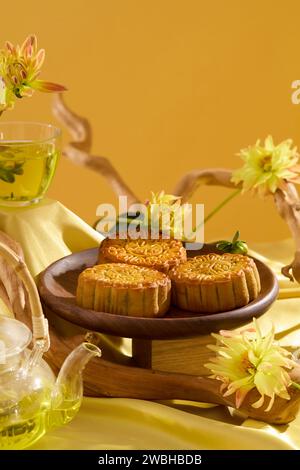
[49,231]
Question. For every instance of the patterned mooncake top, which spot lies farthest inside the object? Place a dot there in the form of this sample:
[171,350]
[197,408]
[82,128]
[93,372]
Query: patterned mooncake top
[124,275]
[159,254]
[212,268]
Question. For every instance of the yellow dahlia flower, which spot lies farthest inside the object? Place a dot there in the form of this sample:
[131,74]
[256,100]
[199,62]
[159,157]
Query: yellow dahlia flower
[162,198]
[246,360]
[268,167]
[20,67]
[167,213]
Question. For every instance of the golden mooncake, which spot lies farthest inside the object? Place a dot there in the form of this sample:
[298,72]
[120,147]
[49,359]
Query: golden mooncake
[215,283]
[124,289]
[157,254]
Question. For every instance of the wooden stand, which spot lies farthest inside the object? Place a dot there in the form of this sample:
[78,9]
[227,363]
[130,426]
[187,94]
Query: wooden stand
[176,364]
[174,355]
[162,361]
[116,374]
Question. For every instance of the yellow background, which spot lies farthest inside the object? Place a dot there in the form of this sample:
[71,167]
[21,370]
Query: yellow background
[168,86]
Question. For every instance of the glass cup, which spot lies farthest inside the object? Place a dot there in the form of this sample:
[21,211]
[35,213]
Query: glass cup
[29,153]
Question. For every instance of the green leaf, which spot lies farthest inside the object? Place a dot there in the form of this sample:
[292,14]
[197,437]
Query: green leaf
[235,246]
[8,170]
[296,385]
[236,236]
[7,176]
[240,248]
[223,245]
[18,171]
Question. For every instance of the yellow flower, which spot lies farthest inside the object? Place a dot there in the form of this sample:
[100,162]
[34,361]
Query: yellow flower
[2,93]
[268,167]
[162,198]
[7,98]
[246,360]
[166,212]
[20,68]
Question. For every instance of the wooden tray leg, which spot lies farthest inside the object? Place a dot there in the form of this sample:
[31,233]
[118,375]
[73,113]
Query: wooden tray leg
[169,355]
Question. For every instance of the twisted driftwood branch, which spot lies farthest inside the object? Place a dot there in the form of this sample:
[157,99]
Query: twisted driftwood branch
[288,206]
[287,203]
[190,182]
[78,151]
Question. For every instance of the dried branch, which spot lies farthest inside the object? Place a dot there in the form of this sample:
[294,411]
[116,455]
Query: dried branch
[288,206]
[191,181]
[78,151]
[287,203]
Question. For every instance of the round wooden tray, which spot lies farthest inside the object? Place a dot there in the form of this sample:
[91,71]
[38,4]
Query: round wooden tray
[57,286]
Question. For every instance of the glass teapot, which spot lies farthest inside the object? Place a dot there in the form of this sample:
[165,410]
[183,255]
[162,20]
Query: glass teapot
[32,400]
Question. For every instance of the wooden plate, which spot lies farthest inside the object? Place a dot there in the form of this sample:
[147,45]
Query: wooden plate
[57,286]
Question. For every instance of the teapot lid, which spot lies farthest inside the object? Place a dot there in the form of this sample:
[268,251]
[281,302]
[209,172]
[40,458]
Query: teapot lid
[15,336]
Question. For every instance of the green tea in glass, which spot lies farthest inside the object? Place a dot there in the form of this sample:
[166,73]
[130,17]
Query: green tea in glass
[28,156]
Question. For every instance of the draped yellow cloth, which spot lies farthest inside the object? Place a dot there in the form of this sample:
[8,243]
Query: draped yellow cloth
[49,231]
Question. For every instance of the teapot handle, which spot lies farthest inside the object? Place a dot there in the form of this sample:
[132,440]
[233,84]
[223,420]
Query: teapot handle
[39,322]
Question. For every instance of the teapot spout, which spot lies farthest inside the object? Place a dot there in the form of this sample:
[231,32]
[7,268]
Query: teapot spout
[68,390]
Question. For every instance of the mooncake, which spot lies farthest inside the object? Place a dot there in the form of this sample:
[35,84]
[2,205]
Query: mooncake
[124,289]
[157,254]
[215,283]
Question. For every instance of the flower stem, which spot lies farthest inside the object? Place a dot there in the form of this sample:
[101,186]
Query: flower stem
[221,205]
[213,212]
[296,385]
